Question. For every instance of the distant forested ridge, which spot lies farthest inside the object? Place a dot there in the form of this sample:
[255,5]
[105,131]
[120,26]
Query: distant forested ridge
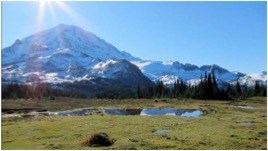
[206,89]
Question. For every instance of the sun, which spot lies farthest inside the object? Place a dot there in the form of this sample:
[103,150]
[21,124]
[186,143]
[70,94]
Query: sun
[43,6]
[42,3]
[48,8]
[41,12]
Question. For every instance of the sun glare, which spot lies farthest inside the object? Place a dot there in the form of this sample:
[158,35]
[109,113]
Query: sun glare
[50,5]
[48,10]
[43,6]
[42,3]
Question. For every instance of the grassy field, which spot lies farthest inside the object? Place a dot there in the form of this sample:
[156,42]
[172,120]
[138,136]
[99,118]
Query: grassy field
[222,127]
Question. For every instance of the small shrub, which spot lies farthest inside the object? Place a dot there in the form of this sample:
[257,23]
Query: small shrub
[97,139]
[262,133]
[164,100]
[233,135]
[51,98]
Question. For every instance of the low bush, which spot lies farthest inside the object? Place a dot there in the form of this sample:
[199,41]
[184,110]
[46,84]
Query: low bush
[97,139]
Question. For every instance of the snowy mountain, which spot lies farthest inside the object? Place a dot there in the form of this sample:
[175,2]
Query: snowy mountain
[170,71]
[121,70]
[68,54]
[250,79]
[60,40]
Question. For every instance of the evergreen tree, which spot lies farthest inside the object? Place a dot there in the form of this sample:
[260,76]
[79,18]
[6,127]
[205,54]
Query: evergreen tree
[245,91]
[210,90]
[159,89]
[238,90]
[257,89]
[215,86]
[139,92]
[200,89]
[264,93]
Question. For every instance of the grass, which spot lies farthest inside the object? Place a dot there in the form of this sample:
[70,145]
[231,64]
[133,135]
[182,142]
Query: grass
[61,103]
[220,128]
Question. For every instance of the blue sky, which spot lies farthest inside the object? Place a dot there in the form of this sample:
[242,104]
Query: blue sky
[229,34]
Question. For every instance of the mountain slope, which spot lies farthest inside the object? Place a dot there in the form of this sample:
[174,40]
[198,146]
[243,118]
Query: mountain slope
[68,54]
[121,70]
[252,78]
[61,38]
[170,71]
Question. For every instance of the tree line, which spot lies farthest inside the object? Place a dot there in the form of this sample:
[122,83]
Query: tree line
[35,91]
[206,89]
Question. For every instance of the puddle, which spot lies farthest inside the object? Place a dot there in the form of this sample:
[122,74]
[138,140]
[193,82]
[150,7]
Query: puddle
[11,115]
[22,115]
[243,107]
[248,123]
[196,113]
[122,112]
[171,112]
[160,132]
[82,112]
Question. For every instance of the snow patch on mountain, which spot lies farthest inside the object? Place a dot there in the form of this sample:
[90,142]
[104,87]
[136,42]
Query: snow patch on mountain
[251,79]
[168,79]
[169,71]
[193,82]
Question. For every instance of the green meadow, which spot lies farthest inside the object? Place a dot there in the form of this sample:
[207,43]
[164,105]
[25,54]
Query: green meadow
[222,126]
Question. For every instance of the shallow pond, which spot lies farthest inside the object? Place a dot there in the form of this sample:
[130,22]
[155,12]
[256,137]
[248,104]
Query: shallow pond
[82,112]
[144,112]
[243,107]
[160,132]
[122,112]
[171,112]
[248,123]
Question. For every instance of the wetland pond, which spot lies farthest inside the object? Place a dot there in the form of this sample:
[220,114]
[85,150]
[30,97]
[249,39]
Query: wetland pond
[121,112]
[243,107]
[171,112]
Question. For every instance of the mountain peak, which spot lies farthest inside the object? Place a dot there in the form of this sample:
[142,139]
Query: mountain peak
[17,42]
[67,37]
[71,29]
[213,67]
[65,26]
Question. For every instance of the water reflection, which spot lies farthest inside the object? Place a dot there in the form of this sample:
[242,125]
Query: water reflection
[142,112]
[171,112]
[160,132]
[122,112]
[82,112]
[243,107]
